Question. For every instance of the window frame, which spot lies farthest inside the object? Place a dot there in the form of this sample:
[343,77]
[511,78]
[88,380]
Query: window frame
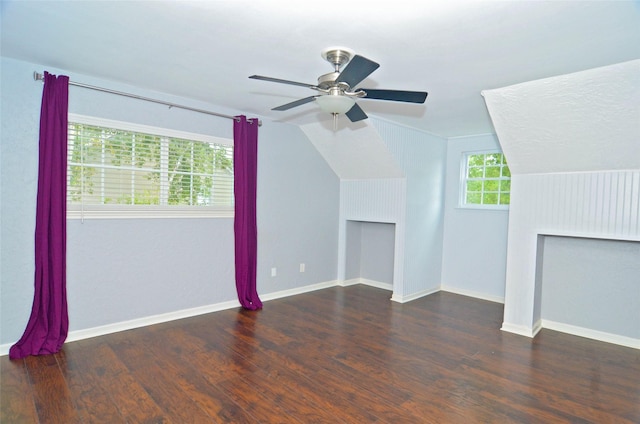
[464,168]
[117,211]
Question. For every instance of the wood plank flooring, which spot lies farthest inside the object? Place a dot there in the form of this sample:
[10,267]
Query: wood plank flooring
[339,355]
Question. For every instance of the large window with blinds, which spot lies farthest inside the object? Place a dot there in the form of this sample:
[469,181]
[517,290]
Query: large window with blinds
[120,169]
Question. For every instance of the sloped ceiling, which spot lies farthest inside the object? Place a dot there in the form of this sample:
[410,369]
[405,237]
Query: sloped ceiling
[353,155]
[206,50]
[585,121]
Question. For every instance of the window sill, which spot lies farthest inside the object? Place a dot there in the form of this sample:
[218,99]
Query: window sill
[148,212]
[495,208]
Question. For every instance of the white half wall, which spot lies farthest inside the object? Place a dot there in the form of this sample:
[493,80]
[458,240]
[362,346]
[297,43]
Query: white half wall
[572,145]
[601,205]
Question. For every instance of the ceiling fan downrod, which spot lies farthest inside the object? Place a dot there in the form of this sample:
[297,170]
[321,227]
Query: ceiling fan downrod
[337,56]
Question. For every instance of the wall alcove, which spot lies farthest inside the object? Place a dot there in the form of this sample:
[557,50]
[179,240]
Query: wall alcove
[589,285]
[370,250]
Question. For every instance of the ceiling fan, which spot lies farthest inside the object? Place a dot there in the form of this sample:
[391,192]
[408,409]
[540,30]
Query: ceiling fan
[337,89]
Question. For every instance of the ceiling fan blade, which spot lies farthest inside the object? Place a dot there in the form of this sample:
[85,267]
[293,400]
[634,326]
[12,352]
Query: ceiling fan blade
[282,81]
[356,70]
[396,95]
[296,103]
[356,113]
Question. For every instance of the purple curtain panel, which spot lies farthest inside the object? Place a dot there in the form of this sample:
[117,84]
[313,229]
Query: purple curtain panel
[245,167]
[48,324]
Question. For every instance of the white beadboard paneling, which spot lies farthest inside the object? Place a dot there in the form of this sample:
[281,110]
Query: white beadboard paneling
[602,204]
[379,200]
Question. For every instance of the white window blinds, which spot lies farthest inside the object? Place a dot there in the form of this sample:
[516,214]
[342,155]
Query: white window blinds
[111,166]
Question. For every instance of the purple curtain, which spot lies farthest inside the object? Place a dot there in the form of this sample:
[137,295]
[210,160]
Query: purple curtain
[245,168]
[48,324]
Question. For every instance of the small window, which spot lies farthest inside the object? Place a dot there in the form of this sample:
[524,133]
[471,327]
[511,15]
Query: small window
[486,180]
[118,169]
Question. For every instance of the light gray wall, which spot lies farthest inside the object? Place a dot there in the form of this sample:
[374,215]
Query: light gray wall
[126,269]
[353,250]
[475,241]
[298,206]
[370,251]
[592,284]
[377,252]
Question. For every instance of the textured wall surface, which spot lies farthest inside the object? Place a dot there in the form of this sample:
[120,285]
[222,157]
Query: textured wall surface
[586,121]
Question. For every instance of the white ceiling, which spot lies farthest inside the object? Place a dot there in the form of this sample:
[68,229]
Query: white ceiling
[206,50]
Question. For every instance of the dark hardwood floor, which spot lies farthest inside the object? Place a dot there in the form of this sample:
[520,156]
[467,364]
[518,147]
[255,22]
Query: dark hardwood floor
[340,355]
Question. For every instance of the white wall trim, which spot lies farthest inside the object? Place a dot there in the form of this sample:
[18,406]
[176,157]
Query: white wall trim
[350,282]
[298,290]
[518,329]
[471,293]
[404,299]
[187,313]
[536,327]
[376,284]
[366,282]
[172,316]
[138,323]
[592,334]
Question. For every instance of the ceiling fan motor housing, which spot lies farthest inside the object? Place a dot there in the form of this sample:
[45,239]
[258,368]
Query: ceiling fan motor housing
[327,81]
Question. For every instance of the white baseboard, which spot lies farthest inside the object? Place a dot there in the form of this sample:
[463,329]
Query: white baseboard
[592,334]
[474,294]
[367,282]
[186,313]
[518,329]
[297,290]
[536,327]
[138,323]
[350,282]
[376,284]
[171,316]
[404,299]
[588,333]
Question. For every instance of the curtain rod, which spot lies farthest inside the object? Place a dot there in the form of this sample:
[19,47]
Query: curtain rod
[39,77]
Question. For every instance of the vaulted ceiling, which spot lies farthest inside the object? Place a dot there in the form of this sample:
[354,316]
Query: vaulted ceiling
[206,50]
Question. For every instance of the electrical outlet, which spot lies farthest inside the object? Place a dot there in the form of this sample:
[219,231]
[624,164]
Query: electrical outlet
[274,272]
[301,267]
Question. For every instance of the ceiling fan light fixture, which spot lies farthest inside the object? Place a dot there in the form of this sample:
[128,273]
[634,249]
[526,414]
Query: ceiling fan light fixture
[335,104]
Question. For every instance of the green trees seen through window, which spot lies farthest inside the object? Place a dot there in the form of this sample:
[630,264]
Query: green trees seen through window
[487,179]
[112,166]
